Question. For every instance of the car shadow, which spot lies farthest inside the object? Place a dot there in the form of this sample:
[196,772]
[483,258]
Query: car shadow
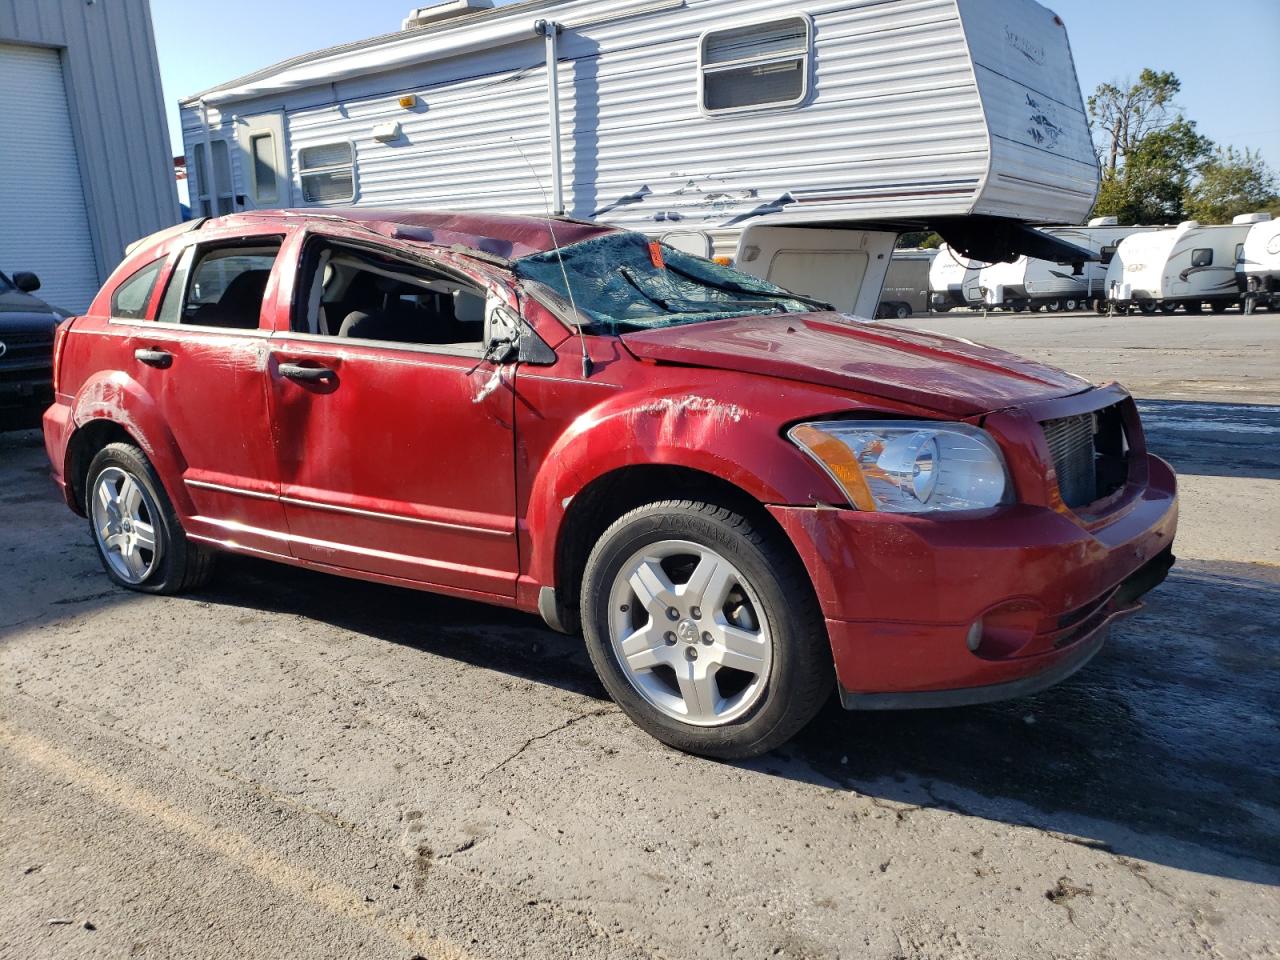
[1214,439]
[1165,748]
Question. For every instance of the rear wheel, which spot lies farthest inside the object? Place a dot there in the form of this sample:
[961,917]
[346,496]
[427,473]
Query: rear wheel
[705,630]
[902,311]
[140,542]
[1167,307]
[1148,307]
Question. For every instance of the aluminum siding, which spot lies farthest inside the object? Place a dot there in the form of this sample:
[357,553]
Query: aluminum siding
[117,113]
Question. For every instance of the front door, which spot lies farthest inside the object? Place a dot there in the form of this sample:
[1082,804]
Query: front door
[263,161]
[395,440]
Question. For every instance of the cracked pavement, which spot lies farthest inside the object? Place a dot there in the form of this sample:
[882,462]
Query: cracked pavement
[290,764]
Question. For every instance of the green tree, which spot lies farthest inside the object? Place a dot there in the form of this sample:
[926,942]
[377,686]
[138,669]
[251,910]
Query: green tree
[922,239]
[1125,113]
[1231,182]
[1149,152]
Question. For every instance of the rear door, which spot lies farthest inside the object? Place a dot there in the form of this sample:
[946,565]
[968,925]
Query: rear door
[201,361]
[394,437]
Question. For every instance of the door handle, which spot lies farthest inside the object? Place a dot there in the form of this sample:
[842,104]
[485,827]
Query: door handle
[296,371]
[161,359]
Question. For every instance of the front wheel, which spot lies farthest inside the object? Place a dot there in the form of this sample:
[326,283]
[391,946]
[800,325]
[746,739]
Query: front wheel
[902,311]
[704,628]
[140,541]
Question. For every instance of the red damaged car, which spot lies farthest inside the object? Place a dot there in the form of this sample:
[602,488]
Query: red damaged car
[738,496]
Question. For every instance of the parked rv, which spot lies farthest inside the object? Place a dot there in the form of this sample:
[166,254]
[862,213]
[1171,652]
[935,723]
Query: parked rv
[1031,283]
[953,280]
[1258,268]
[1189,265]
[797,142]
[906,286]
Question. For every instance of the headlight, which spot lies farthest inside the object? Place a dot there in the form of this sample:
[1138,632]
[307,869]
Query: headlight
[904,466]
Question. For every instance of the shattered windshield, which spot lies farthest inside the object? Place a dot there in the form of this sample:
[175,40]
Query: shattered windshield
[625,281]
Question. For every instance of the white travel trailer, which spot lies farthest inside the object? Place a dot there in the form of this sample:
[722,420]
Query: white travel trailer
[799,138]
[906,285]
[1032,283]
[1191,264]
[1258,268]
[953,280]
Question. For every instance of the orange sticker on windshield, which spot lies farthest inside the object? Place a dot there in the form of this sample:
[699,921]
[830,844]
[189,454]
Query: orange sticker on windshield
[655,254]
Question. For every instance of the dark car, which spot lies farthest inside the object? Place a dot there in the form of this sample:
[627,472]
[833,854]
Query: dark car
[26,350]
[741,498]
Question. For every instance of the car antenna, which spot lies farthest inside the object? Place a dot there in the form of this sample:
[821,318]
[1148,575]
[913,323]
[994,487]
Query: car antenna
[587,365]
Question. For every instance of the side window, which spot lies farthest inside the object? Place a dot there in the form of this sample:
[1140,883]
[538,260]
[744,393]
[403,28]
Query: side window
[1108,253]
[360,295]
[762,65]
[132,297]
[220,286]
[1202,257]
[1239,253]
[327,172]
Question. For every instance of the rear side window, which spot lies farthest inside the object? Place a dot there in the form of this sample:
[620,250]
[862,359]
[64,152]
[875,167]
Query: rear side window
[1202,257]
[327,172]
[220,286]
[132,297]
[761,65]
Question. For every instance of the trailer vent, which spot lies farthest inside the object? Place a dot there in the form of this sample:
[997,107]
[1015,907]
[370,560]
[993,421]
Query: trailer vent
[762,65]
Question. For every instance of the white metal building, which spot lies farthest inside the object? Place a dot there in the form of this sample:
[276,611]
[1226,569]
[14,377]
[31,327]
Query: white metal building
[85,163]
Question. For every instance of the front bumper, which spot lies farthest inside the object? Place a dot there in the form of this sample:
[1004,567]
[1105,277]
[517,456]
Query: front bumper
[902,594]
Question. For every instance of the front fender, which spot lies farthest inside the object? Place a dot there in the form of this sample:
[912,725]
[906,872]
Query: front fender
[732,431]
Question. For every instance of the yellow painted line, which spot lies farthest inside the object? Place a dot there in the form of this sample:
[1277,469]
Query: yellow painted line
[234,847]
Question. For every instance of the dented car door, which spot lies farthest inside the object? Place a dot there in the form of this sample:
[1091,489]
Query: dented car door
[394,458]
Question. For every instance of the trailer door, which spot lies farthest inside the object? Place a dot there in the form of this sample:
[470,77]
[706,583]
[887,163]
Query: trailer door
[264,167]
[844,267]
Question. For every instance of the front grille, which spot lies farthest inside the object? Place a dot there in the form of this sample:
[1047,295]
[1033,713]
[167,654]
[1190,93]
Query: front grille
[26,351]
[1089,453]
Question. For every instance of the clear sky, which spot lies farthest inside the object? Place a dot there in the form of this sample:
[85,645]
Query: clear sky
[1224,51]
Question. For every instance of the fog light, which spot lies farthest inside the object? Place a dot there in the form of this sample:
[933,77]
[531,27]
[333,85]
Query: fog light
[974,640]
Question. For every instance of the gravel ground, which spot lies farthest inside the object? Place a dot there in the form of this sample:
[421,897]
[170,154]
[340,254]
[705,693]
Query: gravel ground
[287,764]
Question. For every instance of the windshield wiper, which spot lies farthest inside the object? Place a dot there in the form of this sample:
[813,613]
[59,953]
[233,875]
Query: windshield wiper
[811,301]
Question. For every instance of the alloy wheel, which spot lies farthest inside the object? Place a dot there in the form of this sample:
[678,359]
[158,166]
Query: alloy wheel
[690,633]
[124,524]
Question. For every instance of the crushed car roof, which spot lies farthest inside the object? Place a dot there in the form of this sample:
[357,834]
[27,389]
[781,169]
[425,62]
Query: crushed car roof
[508,237]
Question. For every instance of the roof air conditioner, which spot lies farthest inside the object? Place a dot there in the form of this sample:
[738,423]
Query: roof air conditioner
[425,16]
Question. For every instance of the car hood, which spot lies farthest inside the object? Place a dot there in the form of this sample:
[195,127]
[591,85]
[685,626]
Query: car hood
[21,312]
[954,377]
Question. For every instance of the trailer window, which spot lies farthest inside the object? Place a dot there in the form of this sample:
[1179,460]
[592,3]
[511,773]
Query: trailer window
[1202,257]
[1108,253]
[1239,253]
[761,65]
[328,173]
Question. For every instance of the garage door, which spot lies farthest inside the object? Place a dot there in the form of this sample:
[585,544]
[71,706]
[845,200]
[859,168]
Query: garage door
[44,226]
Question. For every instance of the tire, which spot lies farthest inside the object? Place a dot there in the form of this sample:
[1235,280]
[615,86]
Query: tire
[902,311]
[1167,307]
[1053,306]
[1070,305]
[764,605]
[1147,307]
[1019,308]
[126,503]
